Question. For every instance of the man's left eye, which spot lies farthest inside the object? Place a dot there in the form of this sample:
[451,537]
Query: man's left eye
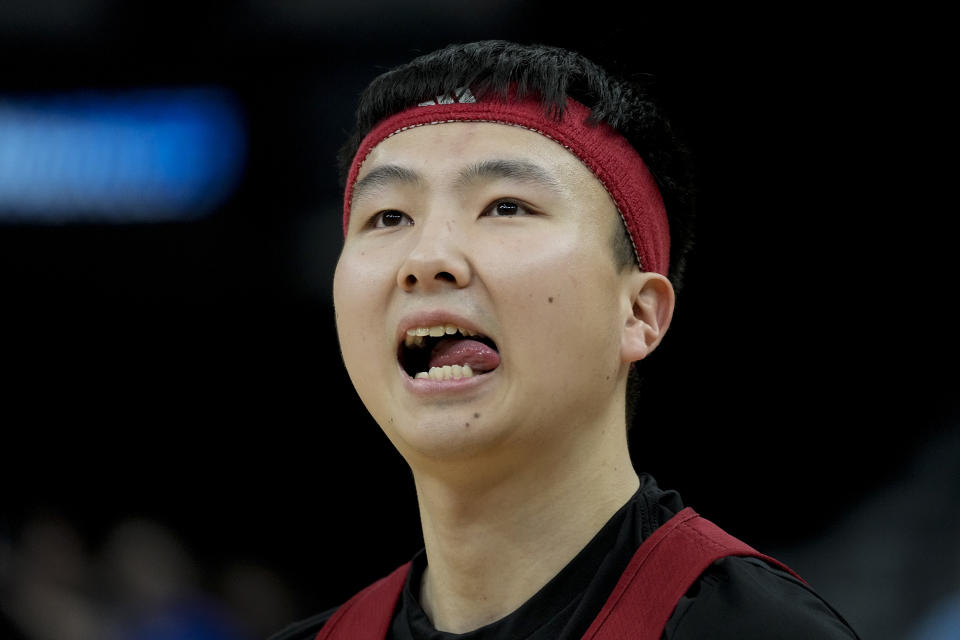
[505,208]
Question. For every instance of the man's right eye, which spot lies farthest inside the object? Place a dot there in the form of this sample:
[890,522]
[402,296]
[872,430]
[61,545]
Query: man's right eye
[390,218]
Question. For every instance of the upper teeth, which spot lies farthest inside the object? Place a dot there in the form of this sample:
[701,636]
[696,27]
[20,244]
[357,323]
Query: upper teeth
[416,335]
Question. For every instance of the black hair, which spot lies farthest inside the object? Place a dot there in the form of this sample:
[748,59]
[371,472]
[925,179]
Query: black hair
[494,67]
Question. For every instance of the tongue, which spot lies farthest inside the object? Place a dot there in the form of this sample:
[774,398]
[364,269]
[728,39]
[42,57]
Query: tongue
[451,351]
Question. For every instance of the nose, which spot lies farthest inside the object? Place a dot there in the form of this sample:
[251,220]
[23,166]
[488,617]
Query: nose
[437,259]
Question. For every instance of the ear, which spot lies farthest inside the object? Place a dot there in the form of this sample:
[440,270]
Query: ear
[651,299]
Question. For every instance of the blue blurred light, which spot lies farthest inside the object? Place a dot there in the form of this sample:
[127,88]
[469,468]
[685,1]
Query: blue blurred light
[150,155]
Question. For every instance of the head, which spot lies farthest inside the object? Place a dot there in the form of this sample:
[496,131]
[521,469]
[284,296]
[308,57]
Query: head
[499,230]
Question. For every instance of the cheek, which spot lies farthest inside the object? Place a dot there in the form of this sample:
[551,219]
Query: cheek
[355,298]
[564,294]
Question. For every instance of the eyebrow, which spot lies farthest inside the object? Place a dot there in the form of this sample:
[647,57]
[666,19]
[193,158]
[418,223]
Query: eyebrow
[516,170]
[383,176]
[509,169]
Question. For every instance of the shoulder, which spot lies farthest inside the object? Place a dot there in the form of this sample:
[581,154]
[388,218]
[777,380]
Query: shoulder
[305,629]
[746,598]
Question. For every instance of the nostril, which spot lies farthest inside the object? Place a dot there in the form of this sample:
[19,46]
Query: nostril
[410,280]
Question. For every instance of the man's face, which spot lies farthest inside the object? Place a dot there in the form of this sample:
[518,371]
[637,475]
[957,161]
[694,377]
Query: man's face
[485,229]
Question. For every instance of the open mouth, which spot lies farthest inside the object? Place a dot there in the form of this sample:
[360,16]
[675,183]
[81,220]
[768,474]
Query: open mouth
[447,352]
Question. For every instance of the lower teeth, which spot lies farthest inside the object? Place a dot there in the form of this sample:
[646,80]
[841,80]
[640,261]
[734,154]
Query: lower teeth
[448,372]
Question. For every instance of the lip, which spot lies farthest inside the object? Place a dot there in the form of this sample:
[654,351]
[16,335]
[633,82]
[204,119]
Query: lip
[430,387]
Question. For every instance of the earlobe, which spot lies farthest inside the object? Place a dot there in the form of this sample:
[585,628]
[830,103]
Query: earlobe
[651,299]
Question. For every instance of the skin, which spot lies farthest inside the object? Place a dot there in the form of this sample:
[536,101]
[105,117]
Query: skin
[501,230]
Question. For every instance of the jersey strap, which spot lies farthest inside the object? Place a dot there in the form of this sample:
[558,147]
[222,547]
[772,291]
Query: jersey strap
[662,570]
[367,615]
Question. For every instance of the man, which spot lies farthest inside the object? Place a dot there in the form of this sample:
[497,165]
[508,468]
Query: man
[515,228]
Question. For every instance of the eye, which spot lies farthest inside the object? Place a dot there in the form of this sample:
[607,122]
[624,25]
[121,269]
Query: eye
[506,208]
[390,218]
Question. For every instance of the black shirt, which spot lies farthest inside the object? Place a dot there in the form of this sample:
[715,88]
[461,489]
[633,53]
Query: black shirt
[735,598]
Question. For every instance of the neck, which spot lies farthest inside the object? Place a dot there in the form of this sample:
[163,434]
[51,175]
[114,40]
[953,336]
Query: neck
[493,543]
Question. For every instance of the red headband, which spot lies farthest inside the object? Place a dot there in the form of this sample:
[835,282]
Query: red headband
[605,152]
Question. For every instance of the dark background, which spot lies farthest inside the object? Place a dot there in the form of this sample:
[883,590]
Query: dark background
[189,374]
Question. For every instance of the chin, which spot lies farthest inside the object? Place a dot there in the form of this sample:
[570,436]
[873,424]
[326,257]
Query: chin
[454,437]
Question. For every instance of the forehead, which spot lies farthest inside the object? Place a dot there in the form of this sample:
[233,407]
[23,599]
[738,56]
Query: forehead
[444,149]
